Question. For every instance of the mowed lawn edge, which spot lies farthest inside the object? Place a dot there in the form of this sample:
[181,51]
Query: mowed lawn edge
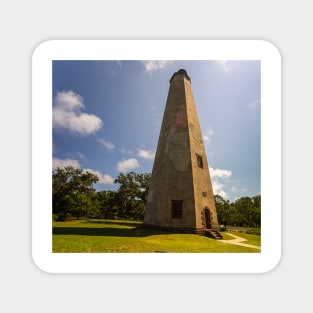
[111,236]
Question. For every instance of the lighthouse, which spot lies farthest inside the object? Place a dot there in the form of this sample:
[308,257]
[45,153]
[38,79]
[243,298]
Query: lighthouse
[180,196]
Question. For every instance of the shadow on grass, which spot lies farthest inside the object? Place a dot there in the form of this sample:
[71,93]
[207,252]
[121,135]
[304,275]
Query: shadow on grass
[120,223]
[138,231]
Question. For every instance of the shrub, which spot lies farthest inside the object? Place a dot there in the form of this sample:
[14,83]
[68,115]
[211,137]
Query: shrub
[253,231]
[61,217]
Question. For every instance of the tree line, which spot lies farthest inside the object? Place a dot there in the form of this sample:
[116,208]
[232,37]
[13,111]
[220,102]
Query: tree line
[74,196]
[244,212]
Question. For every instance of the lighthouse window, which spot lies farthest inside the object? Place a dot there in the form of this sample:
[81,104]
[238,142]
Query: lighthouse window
[177,208]
[199,161]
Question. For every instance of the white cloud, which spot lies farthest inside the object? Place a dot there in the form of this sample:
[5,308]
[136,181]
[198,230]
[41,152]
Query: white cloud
[81,155]
[56,162]
[208,135]
[67,114]
[234,189]
[128,152]
[238,193]
[127,165]
[108,145]
[253,105]
[103,178]
[223,194]
[218,189]
[217,186]
[225,65]
[154,65]
[146,154]
[216,172]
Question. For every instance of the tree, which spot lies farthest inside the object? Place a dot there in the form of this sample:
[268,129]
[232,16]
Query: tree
[257,210]
[143,181]
[222,209]
[108,204]
[244,211]
[132,194]
[72,191]
[243,208]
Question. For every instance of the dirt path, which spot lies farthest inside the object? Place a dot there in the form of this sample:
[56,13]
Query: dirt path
[239,241]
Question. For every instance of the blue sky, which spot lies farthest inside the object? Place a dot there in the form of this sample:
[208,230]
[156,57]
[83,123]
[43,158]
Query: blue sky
[107,117]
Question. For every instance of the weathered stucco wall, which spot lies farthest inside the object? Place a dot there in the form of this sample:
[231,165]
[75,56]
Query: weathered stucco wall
[176,174]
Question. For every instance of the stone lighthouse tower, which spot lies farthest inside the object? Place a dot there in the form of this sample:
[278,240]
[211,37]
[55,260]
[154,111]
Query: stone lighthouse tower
[180,195]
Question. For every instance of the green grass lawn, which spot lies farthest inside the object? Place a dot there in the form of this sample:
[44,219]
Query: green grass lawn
[128,236]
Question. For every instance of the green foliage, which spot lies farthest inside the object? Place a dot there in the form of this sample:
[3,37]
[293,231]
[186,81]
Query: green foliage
[243,212]
[222,209]
[108,206]
[132,194]
[74,196]
[72,192]
[254,231]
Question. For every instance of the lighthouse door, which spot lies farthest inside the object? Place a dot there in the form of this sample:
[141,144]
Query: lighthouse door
[207,219]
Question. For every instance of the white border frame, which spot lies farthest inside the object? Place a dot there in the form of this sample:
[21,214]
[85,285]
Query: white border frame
[270,59]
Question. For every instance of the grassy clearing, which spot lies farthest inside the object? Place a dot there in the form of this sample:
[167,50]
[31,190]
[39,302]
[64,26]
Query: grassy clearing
[128,236]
